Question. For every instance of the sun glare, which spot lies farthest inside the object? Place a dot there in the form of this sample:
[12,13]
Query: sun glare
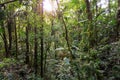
[49,6]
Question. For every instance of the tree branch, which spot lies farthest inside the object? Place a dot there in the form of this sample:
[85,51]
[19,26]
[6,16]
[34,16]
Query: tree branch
[2,4]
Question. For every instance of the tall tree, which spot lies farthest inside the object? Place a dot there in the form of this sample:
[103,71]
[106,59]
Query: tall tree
[117,28]
[16,39]
[42,42]
[27,43]
[35,50]
[90,28]
[10,24]
[3,34]
[66,30]
[88,9]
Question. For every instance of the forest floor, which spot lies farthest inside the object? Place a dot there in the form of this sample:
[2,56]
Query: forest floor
[15,72]
[10,69]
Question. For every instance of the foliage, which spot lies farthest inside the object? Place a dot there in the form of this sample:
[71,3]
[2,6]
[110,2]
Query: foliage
[80,40]
[7,62]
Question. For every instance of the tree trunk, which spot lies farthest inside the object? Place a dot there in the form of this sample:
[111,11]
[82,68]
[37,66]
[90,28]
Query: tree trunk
[16,40]
[91,29]
[117,28]
[27,44]
[66,32]
[42,43]
[88,10]
[5,40]
[118,3]
[35,51]
[10,22]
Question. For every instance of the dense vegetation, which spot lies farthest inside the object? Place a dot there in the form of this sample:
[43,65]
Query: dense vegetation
[68,40]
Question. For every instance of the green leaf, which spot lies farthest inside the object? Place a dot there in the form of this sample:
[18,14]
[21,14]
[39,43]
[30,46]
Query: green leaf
[1,30]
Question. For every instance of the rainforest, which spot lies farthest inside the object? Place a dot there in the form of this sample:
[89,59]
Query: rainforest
[59,39]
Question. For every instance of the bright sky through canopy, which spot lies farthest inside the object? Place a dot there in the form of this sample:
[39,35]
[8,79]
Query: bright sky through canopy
[49,6]
[103,3]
